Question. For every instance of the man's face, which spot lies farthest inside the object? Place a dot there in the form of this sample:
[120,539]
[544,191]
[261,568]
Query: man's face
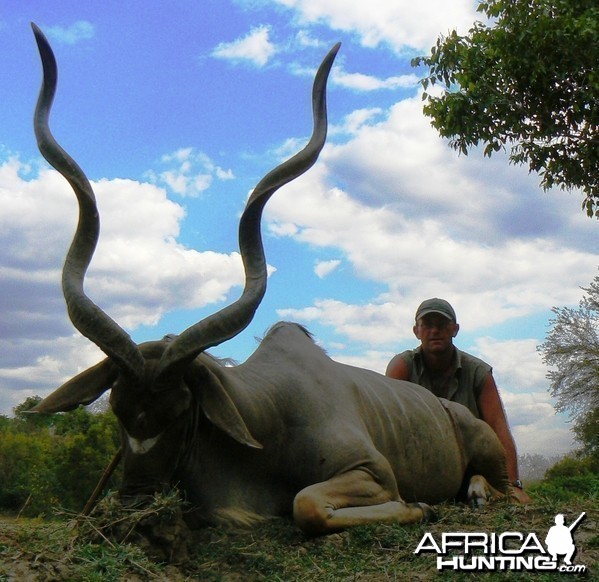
[435,332]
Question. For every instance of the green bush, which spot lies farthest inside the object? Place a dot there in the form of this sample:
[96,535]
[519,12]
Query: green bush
[24,469]
[570,478]
[573,467]
[53,460]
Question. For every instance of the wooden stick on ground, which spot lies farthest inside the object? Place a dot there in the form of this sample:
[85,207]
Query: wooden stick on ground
[102,483]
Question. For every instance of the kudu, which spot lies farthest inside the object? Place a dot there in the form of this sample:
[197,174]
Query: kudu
[289,430]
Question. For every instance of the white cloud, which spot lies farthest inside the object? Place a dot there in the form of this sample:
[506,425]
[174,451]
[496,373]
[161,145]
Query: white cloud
[63,357]
[354,121]
[536,427]
[370,323]
[362,82]
[190,172]
[304,39]
[415,258]
[549,439]
[324,268]
[398,23]
[80,30]
[369,359]
[516,362]
[255,47]
[414,216]
[358,82]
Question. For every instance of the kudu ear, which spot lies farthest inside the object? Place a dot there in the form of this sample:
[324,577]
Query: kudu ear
[218,406]
[82,389]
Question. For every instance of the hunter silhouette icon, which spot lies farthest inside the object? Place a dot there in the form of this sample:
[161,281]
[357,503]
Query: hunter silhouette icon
[559,540]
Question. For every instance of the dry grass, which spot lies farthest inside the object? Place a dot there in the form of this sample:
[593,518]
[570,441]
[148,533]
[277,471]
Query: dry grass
[152,543]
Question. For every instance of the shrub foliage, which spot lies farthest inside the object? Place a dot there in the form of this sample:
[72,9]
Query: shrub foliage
[53,460]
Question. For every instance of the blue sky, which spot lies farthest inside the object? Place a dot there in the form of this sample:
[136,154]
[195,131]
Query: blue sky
[175,110]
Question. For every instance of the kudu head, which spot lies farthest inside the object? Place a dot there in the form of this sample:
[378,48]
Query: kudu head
[152,383]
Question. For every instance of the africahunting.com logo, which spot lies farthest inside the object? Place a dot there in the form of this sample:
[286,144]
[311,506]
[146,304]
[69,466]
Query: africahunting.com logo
[511,550]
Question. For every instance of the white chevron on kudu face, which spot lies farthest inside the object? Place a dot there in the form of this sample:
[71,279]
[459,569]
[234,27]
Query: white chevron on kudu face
[141,446]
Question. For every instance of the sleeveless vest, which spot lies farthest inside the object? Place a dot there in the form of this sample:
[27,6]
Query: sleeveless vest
[465,383]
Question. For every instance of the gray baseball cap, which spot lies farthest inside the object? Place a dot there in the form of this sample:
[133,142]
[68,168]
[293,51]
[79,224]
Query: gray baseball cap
[436,305]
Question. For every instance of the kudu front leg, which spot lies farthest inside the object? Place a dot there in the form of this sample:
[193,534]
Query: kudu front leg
[350,499]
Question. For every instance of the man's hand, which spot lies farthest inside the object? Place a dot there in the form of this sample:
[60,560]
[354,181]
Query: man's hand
[519,495]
